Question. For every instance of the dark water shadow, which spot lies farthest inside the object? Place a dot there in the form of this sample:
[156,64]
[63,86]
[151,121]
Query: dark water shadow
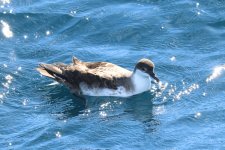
[63,105]
[141,108]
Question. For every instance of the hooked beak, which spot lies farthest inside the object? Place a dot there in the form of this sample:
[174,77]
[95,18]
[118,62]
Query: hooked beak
[154,77]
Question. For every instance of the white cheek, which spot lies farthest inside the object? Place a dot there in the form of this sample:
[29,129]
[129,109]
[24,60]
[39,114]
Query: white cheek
[141,73]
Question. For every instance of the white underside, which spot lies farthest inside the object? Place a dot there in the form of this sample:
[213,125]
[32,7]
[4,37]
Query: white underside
[140,80]
[120,92]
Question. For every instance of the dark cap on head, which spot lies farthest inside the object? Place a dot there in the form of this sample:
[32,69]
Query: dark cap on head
[147,66]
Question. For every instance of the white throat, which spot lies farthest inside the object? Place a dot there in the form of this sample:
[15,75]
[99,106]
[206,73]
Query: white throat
[141,81]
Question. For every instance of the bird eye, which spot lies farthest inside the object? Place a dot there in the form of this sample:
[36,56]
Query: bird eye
[144,69]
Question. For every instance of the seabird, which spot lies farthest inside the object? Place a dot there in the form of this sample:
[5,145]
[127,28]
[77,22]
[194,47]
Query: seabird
[101,78]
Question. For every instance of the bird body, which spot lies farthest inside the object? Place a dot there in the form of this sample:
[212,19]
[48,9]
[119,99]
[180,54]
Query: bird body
[101,78]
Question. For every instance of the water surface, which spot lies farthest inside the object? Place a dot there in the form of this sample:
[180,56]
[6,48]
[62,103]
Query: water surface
[184,38]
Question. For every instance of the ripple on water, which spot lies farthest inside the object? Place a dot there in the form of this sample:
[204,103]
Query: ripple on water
[175,35]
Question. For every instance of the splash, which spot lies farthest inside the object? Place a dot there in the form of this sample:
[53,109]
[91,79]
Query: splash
[217,71]
[6,29]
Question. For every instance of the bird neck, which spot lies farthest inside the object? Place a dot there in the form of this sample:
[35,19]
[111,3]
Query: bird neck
[140,82]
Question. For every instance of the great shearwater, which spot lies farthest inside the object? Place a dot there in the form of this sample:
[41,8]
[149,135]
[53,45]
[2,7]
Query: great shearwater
[101,78]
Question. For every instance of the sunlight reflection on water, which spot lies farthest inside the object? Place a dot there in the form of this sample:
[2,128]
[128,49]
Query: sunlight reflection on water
[58,134]
[187,91]
[6,1]
[6,31]
[179,37]
[217,71]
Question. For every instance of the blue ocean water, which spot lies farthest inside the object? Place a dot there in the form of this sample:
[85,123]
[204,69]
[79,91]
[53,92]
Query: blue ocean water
[184,38]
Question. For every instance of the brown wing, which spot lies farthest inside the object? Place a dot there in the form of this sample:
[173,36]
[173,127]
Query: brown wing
[100,74]
[107,70]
